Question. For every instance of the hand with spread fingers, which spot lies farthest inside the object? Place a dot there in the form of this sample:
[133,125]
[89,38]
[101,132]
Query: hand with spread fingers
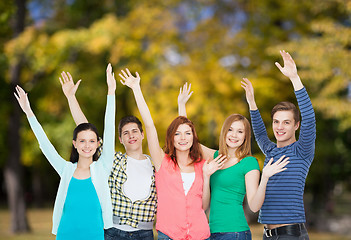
[212,166]
[68,86]
[23,101]
[272,168]
[249,92]
[129,80]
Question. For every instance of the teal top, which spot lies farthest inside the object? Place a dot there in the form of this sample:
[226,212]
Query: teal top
[82,214]
[227,195]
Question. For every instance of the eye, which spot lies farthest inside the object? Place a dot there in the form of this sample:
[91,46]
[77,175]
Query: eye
[176,134]
[229,130]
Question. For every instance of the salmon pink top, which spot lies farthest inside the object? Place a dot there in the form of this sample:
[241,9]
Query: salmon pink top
[180,216]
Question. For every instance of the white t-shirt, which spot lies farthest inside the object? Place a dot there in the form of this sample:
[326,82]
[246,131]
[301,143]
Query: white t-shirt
[138,184]
[188,179]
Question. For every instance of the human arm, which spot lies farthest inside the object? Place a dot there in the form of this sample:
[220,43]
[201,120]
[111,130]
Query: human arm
[306,142]
[210,167]
[69,89]
[255,189]
[107,154]
[183,97]
[258,126]
[249,93]
[133,83]
[45,145]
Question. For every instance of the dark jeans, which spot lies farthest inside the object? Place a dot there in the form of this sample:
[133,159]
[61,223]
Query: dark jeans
[245,235]
[116,234]
[162,236]
[303,236]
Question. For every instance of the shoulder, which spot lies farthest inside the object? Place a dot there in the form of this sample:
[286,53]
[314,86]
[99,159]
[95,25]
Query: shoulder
[250,161]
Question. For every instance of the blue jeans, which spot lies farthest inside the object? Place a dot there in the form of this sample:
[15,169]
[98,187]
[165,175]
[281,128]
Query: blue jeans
[162,236]
[116,234]
[245,235]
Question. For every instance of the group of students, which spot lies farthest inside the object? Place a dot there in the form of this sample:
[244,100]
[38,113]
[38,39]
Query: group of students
[110,195]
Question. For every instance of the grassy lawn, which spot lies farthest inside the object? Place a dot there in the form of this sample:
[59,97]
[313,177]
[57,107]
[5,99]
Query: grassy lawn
[40,222]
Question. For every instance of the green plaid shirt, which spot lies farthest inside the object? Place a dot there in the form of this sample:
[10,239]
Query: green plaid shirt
[128,212]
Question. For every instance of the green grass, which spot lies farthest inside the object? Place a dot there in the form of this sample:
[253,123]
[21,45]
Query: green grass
[40,222]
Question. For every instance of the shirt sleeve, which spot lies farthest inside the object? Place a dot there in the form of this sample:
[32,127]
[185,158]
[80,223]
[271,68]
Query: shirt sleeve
[108,151]
[46,147]
[250,163]
[307,137]
[260,132]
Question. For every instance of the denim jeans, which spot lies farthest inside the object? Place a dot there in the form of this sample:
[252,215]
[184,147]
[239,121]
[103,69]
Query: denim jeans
[303,236]
[162,236]
[245,235]
[116,234]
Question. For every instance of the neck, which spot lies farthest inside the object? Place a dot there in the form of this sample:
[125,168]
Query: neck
[231,152]
[285,143]
[183,157]
[84,162]
[137,154]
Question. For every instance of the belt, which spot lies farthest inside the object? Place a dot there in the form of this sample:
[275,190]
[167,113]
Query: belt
[291,230]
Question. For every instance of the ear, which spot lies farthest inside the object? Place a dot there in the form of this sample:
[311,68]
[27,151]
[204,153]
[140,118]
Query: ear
[74,143]
[297,125]
[120,140]
[142,135]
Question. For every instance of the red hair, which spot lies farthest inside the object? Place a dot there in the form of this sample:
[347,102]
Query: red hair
[195,150]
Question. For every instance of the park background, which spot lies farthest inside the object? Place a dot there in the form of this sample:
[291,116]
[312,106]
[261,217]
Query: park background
[211,44]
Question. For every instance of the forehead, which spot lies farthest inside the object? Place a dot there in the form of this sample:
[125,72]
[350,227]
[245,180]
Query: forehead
[86,134]
[129,127]
[237,124]
[183,128]
[284,116]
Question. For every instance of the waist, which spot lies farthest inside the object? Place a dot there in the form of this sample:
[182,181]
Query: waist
[284,229]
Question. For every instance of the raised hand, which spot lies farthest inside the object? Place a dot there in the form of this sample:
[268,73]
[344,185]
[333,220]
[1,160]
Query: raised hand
[249,92]
[23,101]
[277,167]
[212,166]
[289,68]
[110,78]
[68,86]
[129,80]
[184,94]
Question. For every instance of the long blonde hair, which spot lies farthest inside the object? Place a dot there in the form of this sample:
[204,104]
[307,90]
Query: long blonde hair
[245,148]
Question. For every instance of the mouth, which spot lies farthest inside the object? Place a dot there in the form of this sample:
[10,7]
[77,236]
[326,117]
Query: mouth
[183,143]
[132,141]
[233,140]
[280,133]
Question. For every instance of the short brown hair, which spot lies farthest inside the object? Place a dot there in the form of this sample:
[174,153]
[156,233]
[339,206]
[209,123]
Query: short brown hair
[245,148]
[287,106]
[195,150]
[129,119]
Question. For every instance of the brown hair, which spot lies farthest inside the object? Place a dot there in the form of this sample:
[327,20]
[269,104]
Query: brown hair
[195,150]
[287,106]
[129,119]
[245,148]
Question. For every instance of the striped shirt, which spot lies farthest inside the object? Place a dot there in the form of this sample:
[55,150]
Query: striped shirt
[283,203]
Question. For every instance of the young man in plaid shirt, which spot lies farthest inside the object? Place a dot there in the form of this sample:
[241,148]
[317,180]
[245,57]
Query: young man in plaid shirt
[132,179]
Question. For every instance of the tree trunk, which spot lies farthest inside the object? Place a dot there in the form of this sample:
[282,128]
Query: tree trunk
[13,172]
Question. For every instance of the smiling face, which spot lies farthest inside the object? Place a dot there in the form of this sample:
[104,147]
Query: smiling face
[236,135]
[284,128]
[86,143]
[131,137]
[183,138]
